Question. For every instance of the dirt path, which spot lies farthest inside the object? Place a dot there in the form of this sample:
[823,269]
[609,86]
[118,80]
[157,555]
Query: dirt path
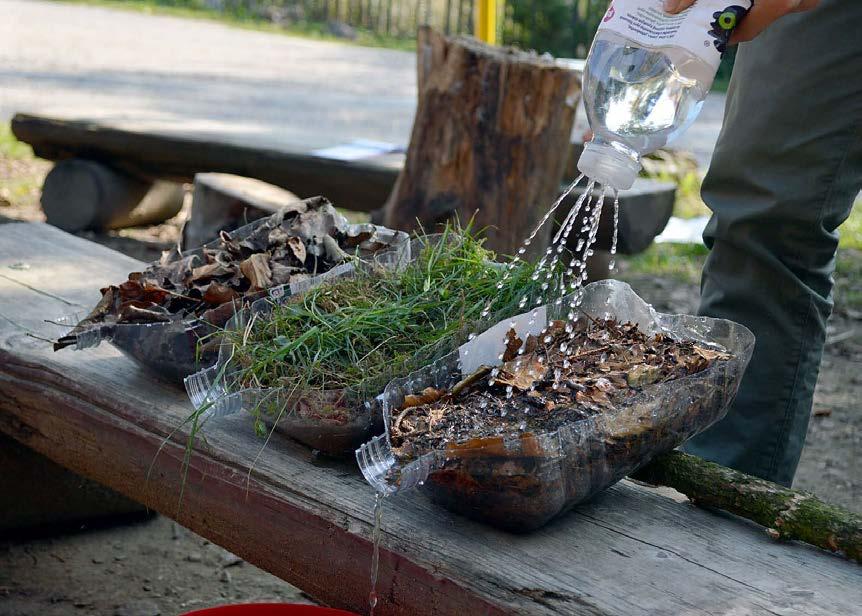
[142,569]
[170,73]
[180,74]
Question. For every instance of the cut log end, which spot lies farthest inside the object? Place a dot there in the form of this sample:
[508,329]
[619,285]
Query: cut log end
[490,140]
[81,194]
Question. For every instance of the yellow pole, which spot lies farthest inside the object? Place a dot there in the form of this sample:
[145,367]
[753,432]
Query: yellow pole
[486,21]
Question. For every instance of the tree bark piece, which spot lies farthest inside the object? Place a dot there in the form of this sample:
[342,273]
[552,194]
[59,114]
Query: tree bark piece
[222,201]
[490,139]
[786,513]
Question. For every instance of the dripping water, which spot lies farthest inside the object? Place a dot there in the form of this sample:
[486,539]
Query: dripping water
[375,554]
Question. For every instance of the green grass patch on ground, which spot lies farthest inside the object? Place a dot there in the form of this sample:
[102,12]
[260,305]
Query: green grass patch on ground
[21,175]
[682,262]
[10,147]
[240,17]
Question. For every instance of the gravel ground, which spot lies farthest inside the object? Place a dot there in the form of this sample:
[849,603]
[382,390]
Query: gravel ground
[146,568]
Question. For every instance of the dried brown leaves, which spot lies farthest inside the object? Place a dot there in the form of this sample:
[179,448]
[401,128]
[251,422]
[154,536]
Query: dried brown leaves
[570,372]
[298,242]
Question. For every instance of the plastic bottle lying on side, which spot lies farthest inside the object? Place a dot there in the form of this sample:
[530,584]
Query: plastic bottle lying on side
[647,75]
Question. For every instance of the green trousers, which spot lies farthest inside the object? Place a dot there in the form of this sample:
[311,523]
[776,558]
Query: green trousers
[784,175]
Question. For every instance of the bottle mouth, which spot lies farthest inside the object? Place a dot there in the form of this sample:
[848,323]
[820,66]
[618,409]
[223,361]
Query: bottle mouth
[608,166]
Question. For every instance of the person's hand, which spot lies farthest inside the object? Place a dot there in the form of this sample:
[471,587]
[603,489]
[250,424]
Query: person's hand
[763,13]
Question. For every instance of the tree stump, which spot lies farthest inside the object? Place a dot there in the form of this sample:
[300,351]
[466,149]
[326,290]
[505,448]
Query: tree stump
[224,201]
[83,194]
[490,140]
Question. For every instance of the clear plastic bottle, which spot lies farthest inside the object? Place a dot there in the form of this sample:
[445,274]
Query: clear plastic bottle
[646,78]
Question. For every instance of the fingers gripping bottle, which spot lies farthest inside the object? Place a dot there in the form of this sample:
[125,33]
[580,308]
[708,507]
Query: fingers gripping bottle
[646,78]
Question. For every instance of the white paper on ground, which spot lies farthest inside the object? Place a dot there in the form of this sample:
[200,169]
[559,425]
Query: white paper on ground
[358,149]
[485,349]
[683,230]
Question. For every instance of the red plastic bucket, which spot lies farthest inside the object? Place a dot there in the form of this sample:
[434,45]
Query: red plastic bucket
[269,609]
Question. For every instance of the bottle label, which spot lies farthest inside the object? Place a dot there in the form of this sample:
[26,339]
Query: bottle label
[703,29]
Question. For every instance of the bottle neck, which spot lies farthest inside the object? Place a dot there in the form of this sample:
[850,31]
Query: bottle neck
[611,164]
[618,147]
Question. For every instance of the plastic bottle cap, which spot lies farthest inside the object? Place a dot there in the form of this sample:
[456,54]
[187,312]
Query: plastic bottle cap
[608,166]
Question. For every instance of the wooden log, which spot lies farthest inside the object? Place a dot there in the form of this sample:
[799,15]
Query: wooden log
[490,140]
[786,513]
[354,185]
[83,194]
[163,201]
[225,201]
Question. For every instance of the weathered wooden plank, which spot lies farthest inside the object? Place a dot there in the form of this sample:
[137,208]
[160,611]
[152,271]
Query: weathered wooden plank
[630,551]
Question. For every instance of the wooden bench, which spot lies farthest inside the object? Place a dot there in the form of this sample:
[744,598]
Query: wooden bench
[633,550]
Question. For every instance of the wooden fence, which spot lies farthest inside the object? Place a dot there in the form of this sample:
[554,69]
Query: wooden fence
[563,28]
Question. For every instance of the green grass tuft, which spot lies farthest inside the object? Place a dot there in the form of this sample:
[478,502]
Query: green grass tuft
[358,333]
